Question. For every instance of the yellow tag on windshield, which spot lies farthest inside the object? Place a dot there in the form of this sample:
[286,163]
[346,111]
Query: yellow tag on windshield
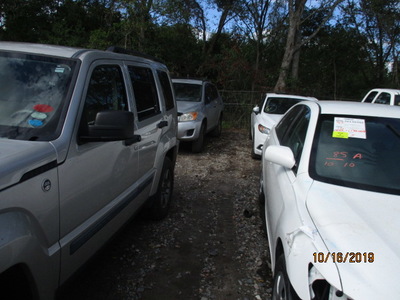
[340,134]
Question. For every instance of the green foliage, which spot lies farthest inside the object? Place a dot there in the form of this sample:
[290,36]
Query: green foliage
[179,48]
[346,58]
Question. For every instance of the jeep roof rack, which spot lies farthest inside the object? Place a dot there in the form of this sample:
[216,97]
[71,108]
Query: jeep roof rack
[121,50]
[189,78]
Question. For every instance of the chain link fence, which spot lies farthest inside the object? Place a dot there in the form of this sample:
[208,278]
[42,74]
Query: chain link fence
[238,106]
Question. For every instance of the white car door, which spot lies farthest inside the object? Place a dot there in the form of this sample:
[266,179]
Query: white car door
[279,188]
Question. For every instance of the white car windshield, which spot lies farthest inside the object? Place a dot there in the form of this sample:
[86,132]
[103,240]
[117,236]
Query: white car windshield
[187,92]
[33,92]
[279,105]
[358,152]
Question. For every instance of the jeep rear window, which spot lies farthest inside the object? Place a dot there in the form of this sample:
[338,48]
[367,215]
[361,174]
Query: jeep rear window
[145,91]
[33,95]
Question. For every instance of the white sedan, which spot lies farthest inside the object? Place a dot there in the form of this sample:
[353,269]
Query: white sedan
[268,114]
[330,188]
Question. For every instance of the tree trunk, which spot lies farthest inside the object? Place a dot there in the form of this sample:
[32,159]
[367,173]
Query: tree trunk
[296,58]
[296,9]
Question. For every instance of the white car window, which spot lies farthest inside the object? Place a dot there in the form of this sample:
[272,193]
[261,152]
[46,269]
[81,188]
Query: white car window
[370,97]
[383,98]
[296,129]
[365,160]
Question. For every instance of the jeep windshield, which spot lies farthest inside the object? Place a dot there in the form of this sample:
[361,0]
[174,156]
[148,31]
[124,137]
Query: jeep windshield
[187,92]
[358,152]
[33,95]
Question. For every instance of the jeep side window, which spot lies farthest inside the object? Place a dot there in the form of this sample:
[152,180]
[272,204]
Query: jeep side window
[145,91]
[167,90]
[106,91]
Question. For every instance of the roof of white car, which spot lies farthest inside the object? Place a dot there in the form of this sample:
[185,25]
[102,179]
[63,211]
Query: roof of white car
[291,96]
[395,91]
[359,108]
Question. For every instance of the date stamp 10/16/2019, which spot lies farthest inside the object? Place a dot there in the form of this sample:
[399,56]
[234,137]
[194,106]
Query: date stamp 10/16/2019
[344,257]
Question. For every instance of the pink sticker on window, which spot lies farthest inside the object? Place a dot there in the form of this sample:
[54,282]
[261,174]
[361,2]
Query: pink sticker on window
[44,108]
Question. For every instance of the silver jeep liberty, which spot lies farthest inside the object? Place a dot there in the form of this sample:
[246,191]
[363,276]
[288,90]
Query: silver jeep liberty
[87,138]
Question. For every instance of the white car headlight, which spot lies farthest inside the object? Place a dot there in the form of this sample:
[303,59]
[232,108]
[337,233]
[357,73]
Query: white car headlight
[263,129]
[321,289]
[190,116]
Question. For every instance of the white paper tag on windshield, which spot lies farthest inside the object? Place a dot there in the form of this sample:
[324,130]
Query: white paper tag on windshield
[349,128]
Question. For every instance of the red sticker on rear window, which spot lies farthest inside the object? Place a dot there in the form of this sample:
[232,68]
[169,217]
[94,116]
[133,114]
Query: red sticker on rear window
[44,108]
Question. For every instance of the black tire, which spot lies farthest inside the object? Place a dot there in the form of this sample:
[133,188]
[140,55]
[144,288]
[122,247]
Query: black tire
[261,202]
[253,154]
[161,200]
[282,289]
[216,132]
[197,145]
[15,285]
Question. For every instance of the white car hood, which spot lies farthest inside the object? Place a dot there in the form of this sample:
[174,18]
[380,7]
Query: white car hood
[351,220]
[269,119]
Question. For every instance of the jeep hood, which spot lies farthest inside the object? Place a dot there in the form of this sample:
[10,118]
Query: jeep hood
[350,220]
[188,106]
[17,158]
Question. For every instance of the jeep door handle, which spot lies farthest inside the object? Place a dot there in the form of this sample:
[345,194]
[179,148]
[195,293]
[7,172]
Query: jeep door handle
[135,139]
[162,124]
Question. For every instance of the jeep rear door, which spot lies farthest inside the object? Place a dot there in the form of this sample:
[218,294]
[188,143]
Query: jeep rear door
[149,115]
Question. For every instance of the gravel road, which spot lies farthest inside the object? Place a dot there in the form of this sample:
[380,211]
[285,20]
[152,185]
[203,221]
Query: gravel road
[211,246]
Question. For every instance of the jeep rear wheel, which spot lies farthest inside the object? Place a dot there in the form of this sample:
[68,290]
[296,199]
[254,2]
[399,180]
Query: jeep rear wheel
[162,198]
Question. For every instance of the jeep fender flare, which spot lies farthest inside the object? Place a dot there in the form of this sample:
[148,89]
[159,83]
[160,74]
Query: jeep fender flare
[168,147]
[21,246]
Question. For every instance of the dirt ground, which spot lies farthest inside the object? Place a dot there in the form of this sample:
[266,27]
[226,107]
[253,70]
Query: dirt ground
[211,246]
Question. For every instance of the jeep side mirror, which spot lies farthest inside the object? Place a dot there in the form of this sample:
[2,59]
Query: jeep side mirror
[256,110]
[111,125]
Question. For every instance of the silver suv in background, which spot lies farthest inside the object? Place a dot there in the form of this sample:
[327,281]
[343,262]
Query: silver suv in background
[87,138]
[200,110]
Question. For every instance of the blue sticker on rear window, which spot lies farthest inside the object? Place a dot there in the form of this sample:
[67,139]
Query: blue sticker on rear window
[35,123]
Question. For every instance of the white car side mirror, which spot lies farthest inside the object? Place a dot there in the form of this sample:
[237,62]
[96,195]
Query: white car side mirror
[256,110]
[280,155]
